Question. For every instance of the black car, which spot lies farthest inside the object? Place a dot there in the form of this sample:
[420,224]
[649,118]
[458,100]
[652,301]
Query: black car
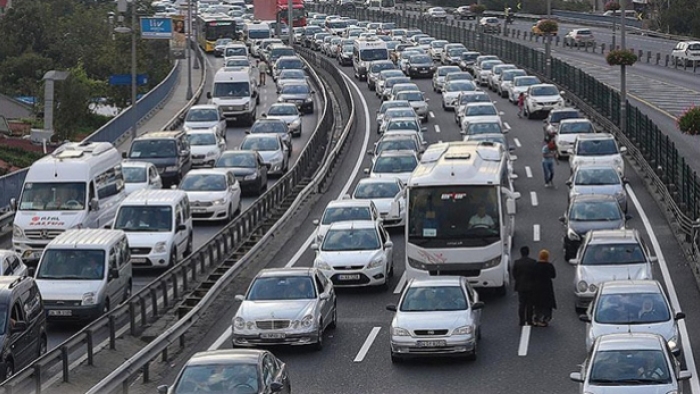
[248,167]
[420,66]
[169,151]
[23,335]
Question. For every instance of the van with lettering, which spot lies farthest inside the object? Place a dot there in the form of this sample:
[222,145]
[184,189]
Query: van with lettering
[79,185]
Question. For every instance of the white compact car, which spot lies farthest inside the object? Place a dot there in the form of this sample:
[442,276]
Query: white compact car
[480,112]
[287,112]
[205,117]
[597,149]
[452,90]
[205,147]
[11,264]
[542,98]
[214,193]
[388,195]
[345,210]
[394,164]
[140,175]
[567,132]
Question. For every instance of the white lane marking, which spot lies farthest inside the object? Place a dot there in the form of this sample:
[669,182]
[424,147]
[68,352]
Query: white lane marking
[524,340]
[507,126]
[368,343]
[432,115]
[401,284]
[220,340]
[517,142]
[437,128]
[685,339]
[533,197]
[305,246]
[528,171]
[536,232]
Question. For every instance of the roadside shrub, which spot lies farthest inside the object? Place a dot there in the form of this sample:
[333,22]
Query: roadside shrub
[689,122]
[477,9]
[612,6]
[619,57]
[548,26]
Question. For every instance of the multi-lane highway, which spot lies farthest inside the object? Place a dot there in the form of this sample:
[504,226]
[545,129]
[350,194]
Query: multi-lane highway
[356,358]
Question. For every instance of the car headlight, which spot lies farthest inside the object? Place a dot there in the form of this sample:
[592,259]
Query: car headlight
[413,67]
[239,323]
[309,99]
[466,330]
[322,265]
[171,169]
[376,262]
[89,299]
[307,321]
[296,123]
[280,99]
[582,286]
[592,288]
[492,263]
[399,332]
[160,247]
[220,201]
[250,177]
[617,161]
[212,153]
[17,231]
[673,343]
[572,235]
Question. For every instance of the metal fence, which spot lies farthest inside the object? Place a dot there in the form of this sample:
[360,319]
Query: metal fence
[677,184]
[168,289]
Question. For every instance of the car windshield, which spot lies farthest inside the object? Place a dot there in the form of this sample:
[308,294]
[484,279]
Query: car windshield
[420,59]
[282,288]
[629,368]
[238,159]
[596,148]
[484,128]
[341,214]
[347,48]
[481,110]
[544,91]
[460,86]
[458,76]
[596,176]
[558,116]
[355,239]
[473,98]
[396,144]
[434,298]
[439,44]
[395,164]
[375,68]
[489,65]
[283,110]
[455,52]
[613,254]
[393,104]
[153,149]
[371,190]
[202,115]
[410,96]
[631,308]
[237,63]
[509,75]
[396,80]
[202,139]
[295,64]
[526,81]
[203,183]
[268,126]
[261,144]
[135,174]
[234,378]
[152,218]
[576,128]
[398,32]
[237,51]
[75,264]
[399,113]
[222,41]
[231,89]
[593,211]
[53,196]
[469,56]
[296,89]
[403,125]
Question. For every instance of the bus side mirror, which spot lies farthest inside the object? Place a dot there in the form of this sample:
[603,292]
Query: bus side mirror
[13,204]
[510,206]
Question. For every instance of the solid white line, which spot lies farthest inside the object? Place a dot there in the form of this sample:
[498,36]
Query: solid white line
[685,339]
[507,126]
[402,282]
[368,343]
[220,340]
[524,341]
[432,115]
[533,197]
[528,171]
[536,232]
[517,142]
[437,128]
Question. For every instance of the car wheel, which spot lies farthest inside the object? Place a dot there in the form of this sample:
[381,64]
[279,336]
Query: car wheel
[502,291]
[334,322]
[127,292]
[473,355]
[319,343]
[188,249]
[43,345]
[528,114]
[229,213]
[9,369]
[395,358]
[173,258]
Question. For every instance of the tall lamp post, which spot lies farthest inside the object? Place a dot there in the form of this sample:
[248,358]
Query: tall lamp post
[290,22]
[121,7]
[188,48]
[548,44]
[623,71]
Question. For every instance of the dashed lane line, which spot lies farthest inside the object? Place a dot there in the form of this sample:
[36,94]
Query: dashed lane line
[533,198]
[524,340]
[536,233]
[528,171]
[368,344]
[402,282]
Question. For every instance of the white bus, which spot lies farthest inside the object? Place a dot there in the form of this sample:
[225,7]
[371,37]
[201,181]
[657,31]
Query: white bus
[365,51]
[461,214]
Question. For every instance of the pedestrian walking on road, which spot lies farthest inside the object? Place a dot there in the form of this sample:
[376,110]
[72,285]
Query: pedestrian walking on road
[262,72]
[544,298]
[521,104]
[523,275]
[549,153]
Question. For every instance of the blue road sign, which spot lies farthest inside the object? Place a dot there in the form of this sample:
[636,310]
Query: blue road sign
[125,79]
[157,28]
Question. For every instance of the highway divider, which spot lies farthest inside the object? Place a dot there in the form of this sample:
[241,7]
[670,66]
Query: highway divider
[675,184]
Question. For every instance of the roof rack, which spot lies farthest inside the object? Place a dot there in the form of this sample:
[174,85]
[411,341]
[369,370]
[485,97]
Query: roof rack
[71,150]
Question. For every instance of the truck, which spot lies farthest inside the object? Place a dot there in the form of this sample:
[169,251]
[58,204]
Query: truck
[269,10]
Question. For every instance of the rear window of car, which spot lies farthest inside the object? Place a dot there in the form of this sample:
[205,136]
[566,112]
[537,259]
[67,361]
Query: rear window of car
[584,32]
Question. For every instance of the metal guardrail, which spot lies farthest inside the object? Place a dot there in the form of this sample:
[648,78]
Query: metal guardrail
[84,343]
[123,375]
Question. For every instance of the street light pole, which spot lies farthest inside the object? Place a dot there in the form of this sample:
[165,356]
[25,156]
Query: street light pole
[623,72]
[188,48]
[548,44]
[290,22]
[134,116]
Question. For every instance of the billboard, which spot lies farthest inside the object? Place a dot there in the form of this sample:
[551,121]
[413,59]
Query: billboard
[178,42]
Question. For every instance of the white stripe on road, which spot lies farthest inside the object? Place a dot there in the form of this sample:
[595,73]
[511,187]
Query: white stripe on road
[524,340]
[401,284]
[528,171]
[220,340]
[507,127]
[533,197]
[368,343]
[685,339]
[432,115]
[517,142]
[437,128]
[536,232]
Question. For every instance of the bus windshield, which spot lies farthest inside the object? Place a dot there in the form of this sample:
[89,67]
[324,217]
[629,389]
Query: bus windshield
[453,216]
[53,196]
[374,54]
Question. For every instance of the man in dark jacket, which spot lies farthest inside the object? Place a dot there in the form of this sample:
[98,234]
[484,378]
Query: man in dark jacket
[523,275]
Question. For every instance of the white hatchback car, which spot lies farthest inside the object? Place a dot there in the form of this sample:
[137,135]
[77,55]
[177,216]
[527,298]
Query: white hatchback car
[542,98]
[388,195]
[394,164]
[345,210]
[214,193]
[356,253]
[140,175]
[205,117]
[480,112]
[568,130]
[597,149]
[437,316]
[205,147]
[11,264]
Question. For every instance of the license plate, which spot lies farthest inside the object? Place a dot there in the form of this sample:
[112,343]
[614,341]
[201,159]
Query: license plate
[138,261]
[423,71]
[60,312]
[431,343]
[199,210]
[349,277]
[276,335]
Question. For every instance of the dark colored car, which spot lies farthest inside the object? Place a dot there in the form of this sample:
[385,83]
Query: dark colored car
[248,167]
[420,66]
[169,151]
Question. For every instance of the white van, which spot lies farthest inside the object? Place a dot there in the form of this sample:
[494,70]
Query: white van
[235,91]
[79,185]
[83,274]
[158,224]
[253,33]
[366,51]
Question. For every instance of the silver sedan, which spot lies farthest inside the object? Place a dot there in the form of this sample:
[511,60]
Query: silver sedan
[598,180]
[291,306]
[436,316]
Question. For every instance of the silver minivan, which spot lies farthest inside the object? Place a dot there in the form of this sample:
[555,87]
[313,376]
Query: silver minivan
[83,274]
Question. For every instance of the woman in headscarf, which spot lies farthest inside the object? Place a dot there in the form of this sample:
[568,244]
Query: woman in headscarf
[544,299]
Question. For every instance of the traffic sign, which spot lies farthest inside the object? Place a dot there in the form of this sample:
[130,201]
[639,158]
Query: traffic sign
[125,79]
[156,28]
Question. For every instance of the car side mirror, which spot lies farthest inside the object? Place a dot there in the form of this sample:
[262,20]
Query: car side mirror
[391,307]
[181,227]
[366,171]
[679,316]
[113,273]
[569,183]
[570,151]
[324,296]
[314,246]
[684,375]
[123,155]
[223,118]
[209,97]
[561,92]
[13,204]
[576,377]
[163,389]
[424,129]
[31,270]
[562,219]
[184,152]
[573,261]
[388,244]
[94,204]
[19,326]
[623,149]
[276,387]
[239,297]
[477,305]
[315,222]
[628,217]
[510,206]
[369,152]
[584,318]
[501,113]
